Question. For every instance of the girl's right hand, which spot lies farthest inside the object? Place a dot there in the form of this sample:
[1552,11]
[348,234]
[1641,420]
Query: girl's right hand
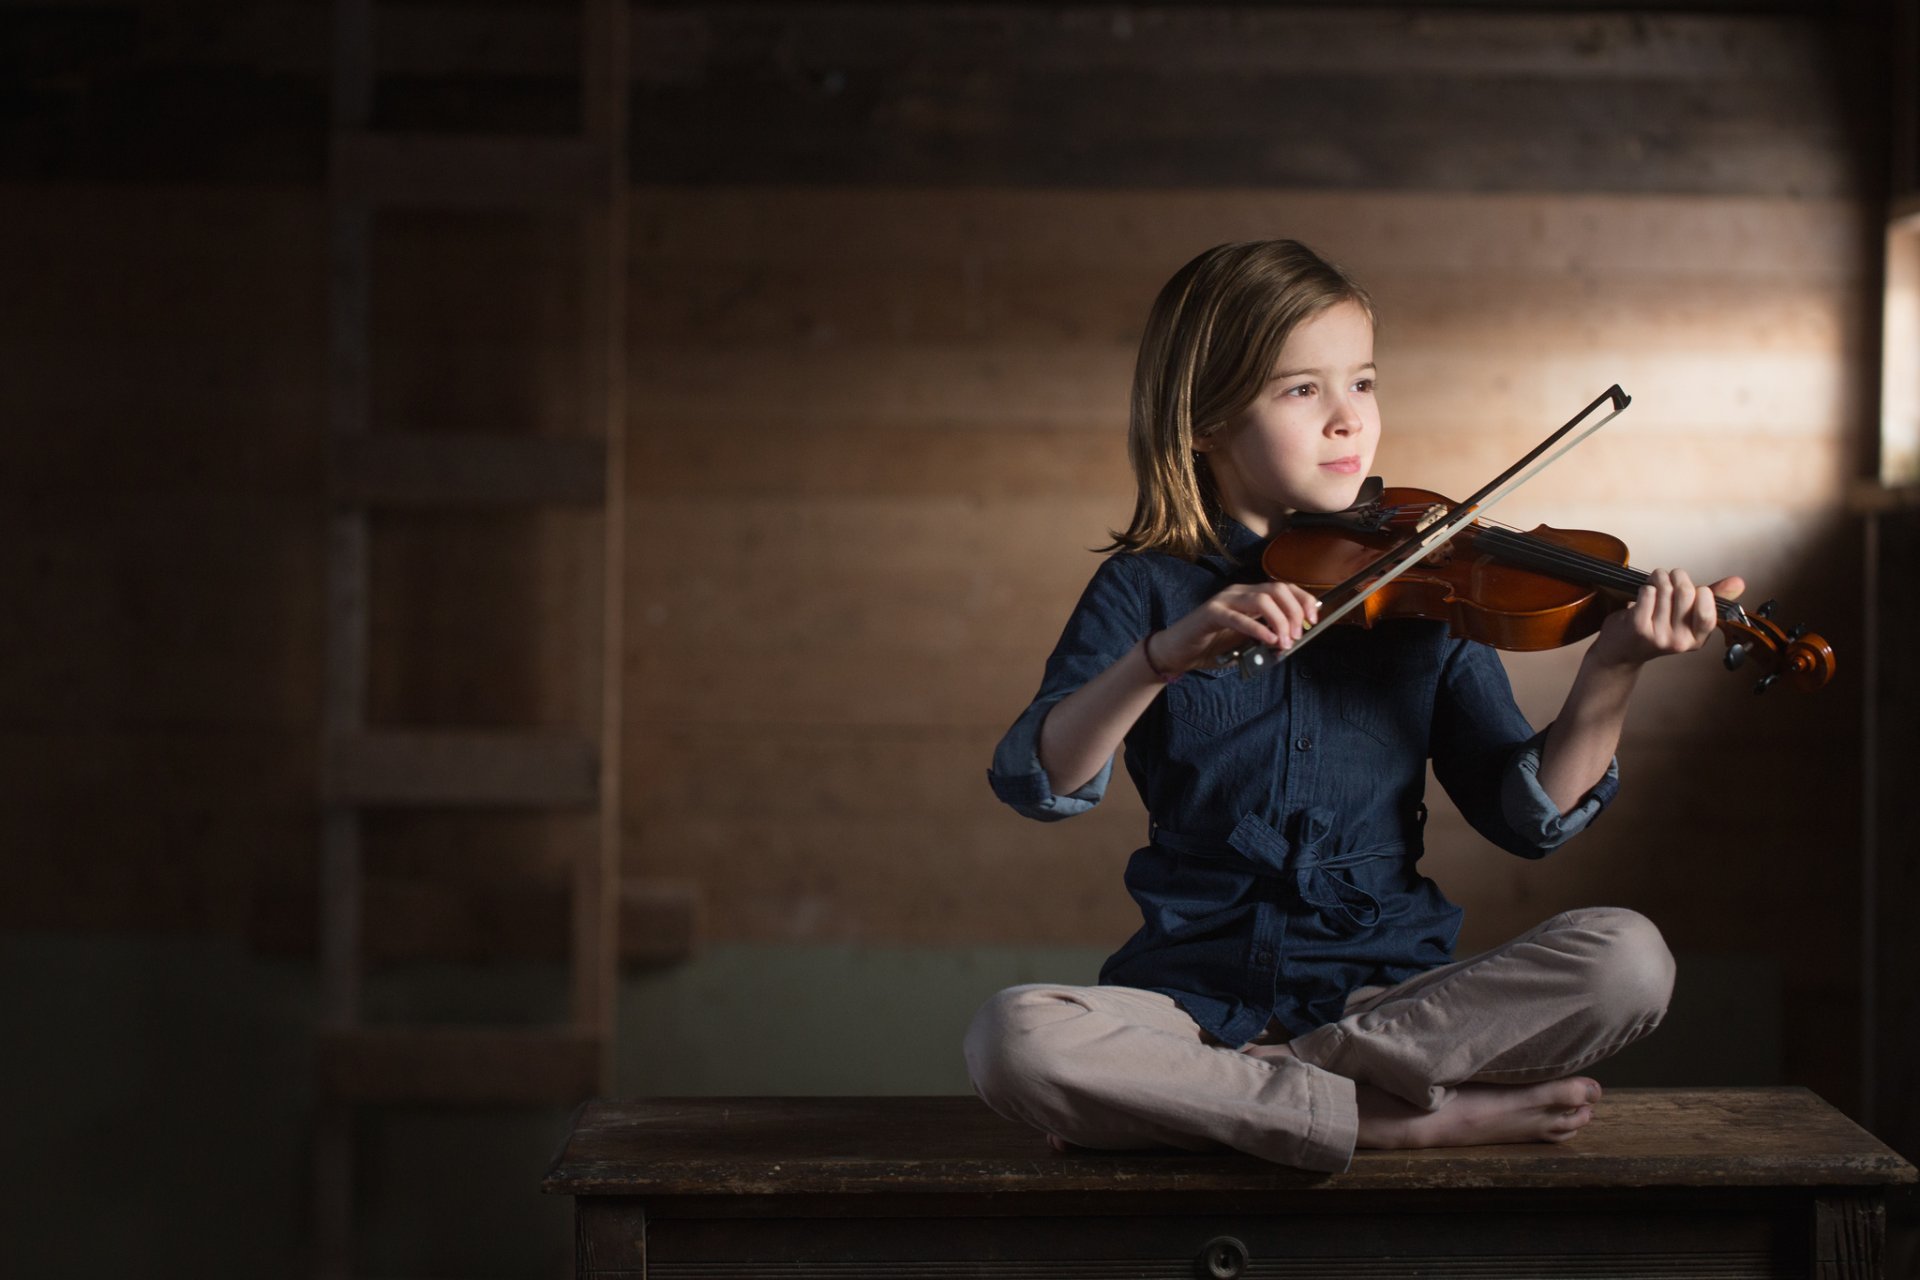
[1272,613]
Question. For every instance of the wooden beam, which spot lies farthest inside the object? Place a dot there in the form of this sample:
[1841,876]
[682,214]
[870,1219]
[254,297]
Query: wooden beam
[461,768]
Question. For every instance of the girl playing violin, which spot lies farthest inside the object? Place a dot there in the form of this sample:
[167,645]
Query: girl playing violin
[1292,991]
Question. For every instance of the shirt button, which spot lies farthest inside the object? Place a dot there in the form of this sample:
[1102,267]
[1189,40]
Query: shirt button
[1262,956]
[1304,744]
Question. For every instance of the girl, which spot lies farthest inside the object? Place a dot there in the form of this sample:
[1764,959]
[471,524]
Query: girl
[1291,991]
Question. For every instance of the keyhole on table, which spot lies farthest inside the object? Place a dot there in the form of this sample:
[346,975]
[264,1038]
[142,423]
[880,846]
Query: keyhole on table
[1222,1258]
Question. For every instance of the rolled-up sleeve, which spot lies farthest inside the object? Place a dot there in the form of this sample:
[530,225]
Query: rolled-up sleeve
[1109,618]
[1487,757]
[1532,813]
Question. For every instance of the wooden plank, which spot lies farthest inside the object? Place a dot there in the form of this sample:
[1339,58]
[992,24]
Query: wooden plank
[210,408]
[451,171]
[668,45]
[913,612]
[821,880]
[597,905]
[1584,47]
[1767,1137]
[931,95]
[999,879]
[477,615]
[344,692]
[120,624]
[468,470]
[937,100]
[1892,737]
[979,293]
[332,1192]
[341,915]
[798,833]
[966,386]
[1580,238]
[903,265]
[1794,466]
[1904,51]
[458,1065]
[151,864]
[397,767]
[1849,1233]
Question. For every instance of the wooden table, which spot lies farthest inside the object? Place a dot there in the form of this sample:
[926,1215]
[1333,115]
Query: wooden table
[1665,1182]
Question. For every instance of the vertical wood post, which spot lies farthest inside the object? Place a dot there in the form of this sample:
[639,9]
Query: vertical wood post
[344,701]
[596,897]
[1848,1234]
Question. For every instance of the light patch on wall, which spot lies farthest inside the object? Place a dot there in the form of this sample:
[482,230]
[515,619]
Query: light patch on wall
[1900,355]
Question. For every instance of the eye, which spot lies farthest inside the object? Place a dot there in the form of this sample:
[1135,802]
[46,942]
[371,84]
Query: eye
[1365,384]
[1303,389]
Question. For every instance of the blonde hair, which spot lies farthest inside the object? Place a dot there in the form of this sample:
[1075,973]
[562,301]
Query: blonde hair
[1211,342]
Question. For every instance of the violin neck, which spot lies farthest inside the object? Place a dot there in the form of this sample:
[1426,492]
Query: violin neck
[1530,552]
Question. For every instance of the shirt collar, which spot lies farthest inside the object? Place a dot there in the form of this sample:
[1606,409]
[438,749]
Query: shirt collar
[1243,547]
[1239,539]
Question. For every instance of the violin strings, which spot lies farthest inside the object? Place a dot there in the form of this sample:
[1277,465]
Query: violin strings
[1549,556]
[1536,552]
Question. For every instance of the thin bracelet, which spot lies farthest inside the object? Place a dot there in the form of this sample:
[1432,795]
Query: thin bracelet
[1146,651]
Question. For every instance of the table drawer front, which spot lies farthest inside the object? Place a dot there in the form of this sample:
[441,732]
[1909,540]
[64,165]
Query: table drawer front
[1434,1246]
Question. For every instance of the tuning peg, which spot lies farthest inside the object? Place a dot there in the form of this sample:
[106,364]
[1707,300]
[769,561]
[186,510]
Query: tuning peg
[1736,654]
[1766,610]
[1799,629]
[1760,686]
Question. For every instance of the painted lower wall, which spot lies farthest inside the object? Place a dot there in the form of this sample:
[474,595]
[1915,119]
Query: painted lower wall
[157,1089]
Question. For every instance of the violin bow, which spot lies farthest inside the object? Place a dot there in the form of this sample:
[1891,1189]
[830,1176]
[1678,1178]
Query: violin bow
[1422,543]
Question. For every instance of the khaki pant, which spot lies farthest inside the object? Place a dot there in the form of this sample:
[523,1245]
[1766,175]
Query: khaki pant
[1117,1067]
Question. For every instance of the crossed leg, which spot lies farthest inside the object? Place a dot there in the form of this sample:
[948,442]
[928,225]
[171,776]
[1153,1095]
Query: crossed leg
[1484,1050]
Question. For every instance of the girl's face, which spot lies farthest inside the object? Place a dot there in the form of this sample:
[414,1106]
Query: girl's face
[1306,442]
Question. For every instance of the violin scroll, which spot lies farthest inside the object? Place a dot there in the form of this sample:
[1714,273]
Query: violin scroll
[1803,658]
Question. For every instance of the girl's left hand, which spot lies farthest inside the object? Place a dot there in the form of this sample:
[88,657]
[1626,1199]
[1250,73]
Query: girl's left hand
[1670,615]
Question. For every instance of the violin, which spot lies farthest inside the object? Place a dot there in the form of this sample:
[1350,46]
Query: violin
[1522,591]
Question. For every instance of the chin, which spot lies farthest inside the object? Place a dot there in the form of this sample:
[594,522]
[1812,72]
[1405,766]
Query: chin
[1330,498]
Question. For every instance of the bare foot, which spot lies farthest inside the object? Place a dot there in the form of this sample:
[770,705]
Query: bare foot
[1479,1114]
[1059,1143]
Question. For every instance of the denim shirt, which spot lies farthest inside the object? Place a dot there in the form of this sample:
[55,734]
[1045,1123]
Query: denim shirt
[1280,870]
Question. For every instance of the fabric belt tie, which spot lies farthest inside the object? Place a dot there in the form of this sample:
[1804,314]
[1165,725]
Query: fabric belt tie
[1316,875]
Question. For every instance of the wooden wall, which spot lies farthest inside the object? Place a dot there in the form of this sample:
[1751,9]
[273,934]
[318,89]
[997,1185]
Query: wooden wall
[889,266]
[867,577]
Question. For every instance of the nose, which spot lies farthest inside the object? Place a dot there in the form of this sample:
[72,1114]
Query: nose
[1343,418]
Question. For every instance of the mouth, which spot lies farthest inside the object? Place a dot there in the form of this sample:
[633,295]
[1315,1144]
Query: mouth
[1346,466]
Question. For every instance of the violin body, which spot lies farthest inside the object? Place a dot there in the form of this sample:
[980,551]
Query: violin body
[1520,591]
[1471,588]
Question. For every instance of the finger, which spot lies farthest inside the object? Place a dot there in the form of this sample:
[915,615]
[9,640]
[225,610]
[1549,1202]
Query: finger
[1295,599]
[1228,618]
[1653,620]
[1706,615]
[1309,602]
[1284,598]
[1693,613]
[1275,616]
[1680,616]
[1730,587]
